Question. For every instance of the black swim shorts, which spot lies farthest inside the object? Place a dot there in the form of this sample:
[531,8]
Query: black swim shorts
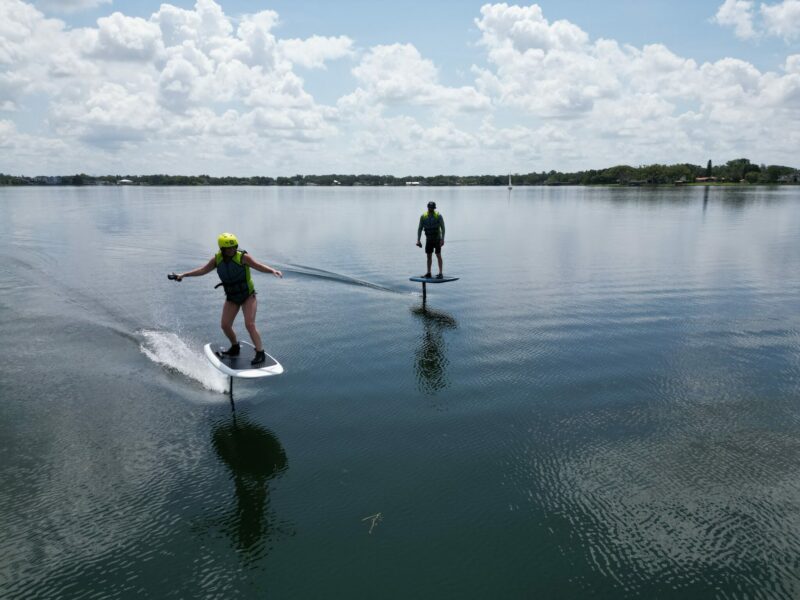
[239,298]
[433,244]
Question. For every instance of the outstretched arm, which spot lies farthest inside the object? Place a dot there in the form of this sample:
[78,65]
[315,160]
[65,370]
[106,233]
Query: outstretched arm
[206,268]
[419,232]
[252,262]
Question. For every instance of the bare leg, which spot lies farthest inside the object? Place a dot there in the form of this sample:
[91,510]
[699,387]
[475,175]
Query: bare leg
[438,258]
[249,310]
[229,312]
[430,259]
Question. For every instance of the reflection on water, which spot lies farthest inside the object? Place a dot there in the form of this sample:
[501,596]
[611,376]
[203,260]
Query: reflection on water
[254,456]
[430,362]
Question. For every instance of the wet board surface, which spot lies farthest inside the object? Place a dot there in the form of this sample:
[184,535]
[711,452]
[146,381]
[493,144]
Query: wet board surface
[239,366]
[432,279]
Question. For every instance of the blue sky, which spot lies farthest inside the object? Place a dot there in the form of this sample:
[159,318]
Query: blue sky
[287,87]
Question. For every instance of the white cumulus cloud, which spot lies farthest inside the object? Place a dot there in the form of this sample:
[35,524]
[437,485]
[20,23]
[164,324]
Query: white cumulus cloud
[641,104]
[180,76]
[399,74]
[783,19]
[737,14]
[126,38]
[315,51]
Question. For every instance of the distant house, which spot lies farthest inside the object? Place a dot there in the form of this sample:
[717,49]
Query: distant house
[704,179]
[412,182]
[790,178]
[336,182]
[47,180]
[124,182]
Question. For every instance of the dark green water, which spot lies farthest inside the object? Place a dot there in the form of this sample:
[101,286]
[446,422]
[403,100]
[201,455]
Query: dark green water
[607,404]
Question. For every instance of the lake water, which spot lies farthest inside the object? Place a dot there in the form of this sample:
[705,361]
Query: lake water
[606,404]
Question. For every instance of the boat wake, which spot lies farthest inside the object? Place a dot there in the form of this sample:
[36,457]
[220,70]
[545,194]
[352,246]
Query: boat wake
[169,350]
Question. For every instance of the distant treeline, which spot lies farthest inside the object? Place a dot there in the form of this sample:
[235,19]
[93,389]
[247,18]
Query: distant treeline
[734,171]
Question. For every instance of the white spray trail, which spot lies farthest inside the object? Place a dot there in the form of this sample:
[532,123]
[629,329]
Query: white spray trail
[171,351]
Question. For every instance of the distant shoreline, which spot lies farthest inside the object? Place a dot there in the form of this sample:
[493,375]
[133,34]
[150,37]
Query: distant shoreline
[734,172]
[524,185]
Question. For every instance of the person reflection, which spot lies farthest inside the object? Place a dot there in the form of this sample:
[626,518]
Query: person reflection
[254,456]
[430,357]
[705,197]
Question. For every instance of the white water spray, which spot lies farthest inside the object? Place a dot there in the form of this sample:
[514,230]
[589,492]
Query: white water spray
[171,351]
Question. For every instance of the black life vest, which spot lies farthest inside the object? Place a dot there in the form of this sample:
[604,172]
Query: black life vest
[431,224]
[234,274]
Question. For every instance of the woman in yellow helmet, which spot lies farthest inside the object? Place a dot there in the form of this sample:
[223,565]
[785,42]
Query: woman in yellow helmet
[233,267]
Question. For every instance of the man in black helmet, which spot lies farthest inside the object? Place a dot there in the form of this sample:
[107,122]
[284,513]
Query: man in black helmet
[433,224]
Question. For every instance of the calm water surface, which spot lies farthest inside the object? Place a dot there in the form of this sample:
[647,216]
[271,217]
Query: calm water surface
[607,404]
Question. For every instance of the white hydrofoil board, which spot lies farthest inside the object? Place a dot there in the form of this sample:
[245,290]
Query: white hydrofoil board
[239,366]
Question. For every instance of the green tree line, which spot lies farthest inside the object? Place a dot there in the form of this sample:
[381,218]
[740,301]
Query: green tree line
[737,170]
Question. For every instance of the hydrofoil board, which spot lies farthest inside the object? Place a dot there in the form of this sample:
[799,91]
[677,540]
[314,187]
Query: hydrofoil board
[239,366]
[432,279]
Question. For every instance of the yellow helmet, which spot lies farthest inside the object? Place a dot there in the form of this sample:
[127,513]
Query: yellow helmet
[227,240]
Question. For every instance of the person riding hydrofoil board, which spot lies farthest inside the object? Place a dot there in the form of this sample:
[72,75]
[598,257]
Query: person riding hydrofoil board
[233,268]
[433,224]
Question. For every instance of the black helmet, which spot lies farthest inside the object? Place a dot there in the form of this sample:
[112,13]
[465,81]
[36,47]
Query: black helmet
[431,204]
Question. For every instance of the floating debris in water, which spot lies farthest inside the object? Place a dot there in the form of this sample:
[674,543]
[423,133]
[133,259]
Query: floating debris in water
[375,519]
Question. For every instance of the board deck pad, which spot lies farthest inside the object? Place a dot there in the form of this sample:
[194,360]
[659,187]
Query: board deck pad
[239,366]
[432,279]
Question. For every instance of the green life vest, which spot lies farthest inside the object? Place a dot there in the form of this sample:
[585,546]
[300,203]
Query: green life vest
[234,274]
[431,223]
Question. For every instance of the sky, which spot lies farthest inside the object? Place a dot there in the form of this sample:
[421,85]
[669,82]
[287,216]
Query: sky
[285,87]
